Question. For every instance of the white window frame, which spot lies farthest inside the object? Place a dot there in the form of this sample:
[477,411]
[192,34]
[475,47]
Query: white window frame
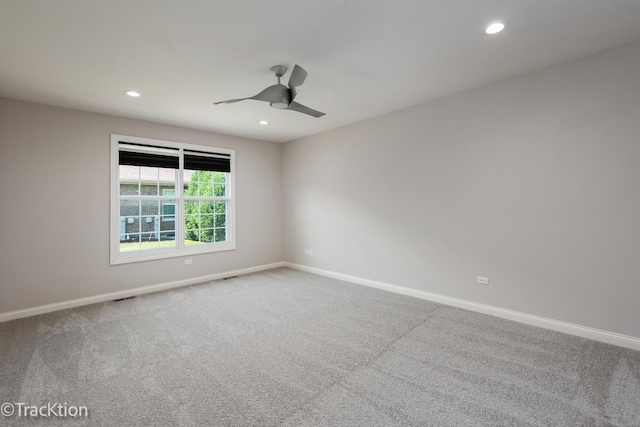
[180,249]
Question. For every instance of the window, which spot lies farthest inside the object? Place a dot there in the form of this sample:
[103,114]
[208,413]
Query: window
[169,199]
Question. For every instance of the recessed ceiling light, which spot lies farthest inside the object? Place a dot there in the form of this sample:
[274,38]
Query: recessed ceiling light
[263,122]
[495,27]
[133,93]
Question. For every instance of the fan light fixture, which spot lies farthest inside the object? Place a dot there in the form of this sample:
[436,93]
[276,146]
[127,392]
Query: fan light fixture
[495,27]
[280,105]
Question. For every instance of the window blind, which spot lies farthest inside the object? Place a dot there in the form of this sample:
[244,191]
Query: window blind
[131,158]
[131,154]
[140,155]
[201,161]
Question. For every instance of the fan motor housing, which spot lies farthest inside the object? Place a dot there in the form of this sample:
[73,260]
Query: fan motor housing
[280,96]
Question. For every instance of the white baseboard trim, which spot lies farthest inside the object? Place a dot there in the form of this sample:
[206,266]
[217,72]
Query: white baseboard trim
[27,312]
[542,322]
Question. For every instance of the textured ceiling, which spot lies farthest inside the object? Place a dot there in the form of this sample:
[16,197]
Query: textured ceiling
[364,57]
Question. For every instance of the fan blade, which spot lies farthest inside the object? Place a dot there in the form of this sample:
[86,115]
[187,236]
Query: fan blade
[275,93]
[298,76]
[230,101]
[306,110]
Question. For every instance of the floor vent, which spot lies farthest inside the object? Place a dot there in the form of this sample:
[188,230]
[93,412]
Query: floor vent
[123,299]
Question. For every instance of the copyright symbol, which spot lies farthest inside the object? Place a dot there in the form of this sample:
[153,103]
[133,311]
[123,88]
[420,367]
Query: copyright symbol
[7,409]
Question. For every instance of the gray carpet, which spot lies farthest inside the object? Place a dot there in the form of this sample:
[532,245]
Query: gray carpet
[288,348]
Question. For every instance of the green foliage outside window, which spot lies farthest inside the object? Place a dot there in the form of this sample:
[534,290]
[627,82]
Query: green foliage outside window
[205,220]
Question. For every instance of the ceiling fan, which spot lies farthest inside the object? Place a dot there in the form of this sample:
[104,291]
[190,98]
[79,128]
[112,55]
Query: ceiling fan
[281,96]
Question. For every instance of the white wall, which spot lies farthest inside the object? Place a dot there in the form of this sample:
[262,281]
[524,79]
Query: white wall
[533,182]
[54,215]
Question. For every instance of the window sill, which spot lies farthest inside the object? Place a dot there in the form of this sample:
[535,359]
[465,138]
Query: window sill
[163,253]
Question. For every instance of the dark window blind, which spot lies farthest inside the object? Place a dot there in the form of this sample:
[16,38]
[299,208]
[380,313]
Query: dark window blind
[202,163]
[131,158]
[193,160]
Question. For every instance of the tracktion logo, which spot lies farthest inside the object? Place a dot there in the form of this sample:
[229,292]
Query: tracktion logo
[49,410]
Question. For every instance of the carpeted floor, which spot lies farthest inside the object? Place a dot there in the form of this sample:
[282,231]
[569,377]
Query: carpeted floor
[283,347]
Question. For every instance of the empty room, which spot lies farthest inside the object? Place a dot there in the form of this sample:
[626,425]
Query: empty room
[330,213]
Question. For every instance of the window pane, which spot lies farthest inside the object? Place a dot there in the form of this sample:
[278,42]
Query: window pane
[206,207]
[149,208]
[167,222]
[186,177]
[206,235]
[198,183]
[220,220]
[149,181]
[220,207]
[192,237]
[192,222]
[206,221]
[168,210]
[131,242]
[129,224]
[221,234]
[129,208]
[205,185]
[148,174]
[219,190]
[148,237]
[130,237]
[206,190]
[133,225]
[150,226]
[151,222]
[129,189]
[219,177]
[168,235]
[167,180]
[190,181]
[129,179]
[169,207]
[147,189]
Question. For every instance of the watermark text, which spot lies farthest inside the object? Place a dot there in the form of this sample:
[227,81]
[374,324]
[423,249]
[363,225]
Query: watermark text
[49,410]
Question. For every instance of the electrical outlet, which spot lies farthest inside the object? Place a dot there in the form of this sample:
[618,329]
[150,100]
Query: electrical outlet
[188,261]
[311,252]
[306,251]
[482,280]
